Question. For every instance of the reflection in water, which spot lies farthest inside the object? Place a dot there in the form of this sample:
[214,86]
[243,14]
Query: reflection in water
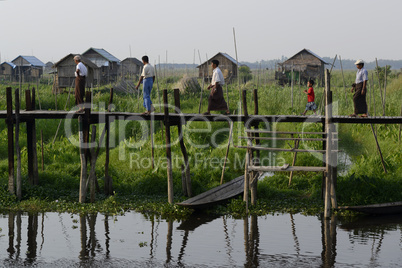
[202,240]
[328,230]
[32,234]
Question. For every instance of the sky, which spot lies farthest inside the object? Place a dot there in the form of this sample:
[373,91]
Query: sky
[264,29]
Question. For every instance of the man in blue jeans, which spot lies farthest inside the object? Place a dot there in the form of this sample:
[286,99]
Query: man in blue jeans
[147,78]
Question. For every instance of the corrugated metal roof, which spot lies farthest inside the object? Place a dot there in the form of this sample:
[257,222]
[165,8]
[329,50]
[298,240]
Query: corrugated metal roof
[133,60]
[104,54]
[312,53]
[85,60]
[10,63]
[225,55]
[33,61]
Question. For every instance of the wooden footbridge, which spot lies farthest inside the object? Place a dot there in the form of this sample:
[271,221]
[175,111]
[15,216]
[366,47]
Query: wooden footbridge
[254,126]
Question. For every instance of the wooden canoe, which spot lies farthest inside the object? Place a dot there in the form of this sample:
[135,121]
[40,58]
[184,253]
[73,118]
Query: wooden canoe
[216,195]
[384,208]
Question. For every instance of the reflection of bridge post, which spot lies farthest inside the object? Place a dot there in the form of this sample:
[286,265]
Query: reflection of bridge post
[32,234]
[18,222]
[83,230]
[92,235]
[11,249]
[107,240]
[251,241]
[169,241]
[328,229]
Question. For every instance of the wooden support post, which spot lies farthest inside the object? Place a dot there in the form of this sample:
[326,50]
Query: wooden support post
[256,159]
[17,143]
[168,147]
[182,145]
[108,188]
[248,153]
[10,137]
[329,182]
[33,176]
[400,127]
[29,138]
[324,147]
[294,159]
[41,141]
[92,175]
[83,173]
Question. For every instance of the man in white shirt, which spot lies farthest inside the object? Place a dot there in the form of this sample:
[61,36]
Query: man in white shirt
[81,73]
[216,101]
[147,78]
[360,89]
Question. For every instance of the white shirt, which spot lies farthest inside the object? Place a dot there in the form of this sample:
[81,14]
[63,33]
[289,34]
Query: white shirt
[82,68]
[361,76]
[217,76]
[148,71]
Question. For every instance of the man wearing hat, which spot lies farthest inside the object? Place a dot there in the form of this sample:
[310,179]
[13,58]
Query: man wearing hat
[81,73]
[360,89]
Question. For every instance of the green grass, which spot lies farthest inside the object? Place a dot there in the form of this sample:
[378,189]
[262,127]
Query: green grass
[144,189]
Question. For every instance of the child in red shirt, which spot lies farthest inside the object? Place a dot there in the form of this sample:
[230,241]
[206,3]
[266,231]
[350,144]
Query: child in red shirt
[310,98]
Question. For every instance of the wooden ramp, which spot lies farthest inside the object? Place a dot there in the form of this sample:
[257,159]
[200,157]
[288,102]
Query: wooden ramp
[216,195]
[383,208]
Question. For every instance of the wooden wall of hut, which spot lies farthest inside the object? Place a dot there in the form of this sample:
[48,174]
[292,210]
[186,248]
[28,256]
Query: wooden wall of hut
[228,68]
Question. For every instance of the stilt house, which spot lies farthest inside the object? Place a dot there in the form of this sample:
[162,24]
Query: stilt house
[108,65]
[304,65]
[29,67]
[131,67]
[7,71]
[227,65]
[65,72]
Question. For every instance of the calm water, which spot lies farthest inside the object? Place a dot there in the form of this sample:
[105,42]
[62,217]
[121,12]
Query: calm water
[65,240]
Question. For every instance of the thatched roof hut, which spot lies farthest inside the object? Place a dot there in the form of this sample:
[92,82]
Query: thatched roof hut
[305,65]
[227,64]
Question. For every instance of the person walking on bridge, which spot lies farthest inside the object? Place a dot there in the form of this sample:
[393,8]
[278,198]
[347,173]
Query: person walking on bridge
[216,101]
[147,78]
[360,89]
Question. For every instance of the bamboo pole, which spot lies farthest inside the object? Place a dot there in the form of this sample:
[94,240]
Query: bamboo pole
[400,128]
[37,87]
[227,151]
[379,87]
[343,79]
[203,80]
[291,84]
[333,64]
[296,146]
[385,86]
[237,66]
[328,123]
[168,147]
[182,145]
